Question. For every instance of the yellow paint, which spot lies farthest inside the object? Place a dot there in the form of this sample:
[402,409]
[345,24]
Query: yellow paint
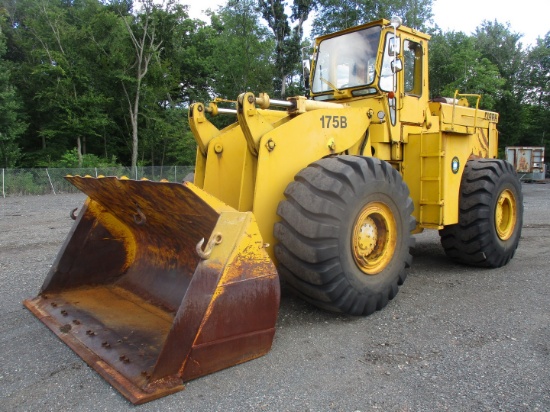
[374,238]
[239,256]
[506,215]
[118,230]
[249,164]
[298,143]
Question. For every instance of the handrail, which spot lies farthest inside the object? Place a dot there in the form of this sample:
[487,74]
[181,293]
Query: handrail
[454,106]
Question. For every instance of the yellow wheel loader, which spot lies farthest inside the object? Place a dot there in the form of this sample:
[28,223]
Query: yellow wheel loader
[159,283]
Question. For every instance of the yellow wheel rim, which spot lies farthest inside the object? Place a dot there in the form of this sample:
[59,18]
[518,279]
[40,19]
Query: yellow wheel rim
[374,238]
[505,215]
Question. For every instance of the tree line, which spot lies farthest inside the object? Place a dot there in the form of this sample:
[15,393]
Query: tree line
[105,82]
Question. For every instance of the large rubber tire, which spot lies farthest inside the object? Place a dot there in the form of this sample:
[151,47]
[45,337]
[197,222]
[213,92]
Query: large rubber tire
[344,237]
[490,215]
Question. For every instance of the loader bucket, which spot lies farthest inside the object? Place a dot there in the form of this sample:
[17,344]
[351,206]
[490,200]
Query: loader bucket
[134,293]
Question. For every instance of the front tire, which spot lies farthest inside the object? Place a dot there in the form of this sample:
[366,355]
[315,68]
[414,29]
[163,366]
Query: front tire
[345,234]
[490,215]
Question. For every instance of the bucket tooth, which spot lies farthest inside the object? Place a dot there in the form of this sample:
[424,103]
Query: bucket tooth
[131,295]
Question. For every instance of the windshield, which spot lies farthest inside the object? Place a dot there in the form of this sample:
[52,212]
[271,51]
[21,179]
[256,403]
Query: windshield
[346,61]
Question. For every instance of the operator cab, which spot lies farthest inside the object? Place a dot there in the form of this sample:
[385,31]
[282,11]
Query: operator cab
[349,64]
[381,58]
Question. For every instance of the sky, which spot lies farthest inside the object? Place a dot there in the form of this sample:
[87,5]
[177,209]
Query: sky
[527,17]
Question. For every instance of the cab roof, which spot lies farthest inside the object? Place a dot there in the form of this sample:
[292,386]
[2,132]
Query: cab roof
[381,22]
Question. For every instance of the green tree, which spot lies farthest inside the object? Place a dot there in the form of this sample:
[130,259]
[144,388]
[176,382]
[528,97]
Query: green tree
[61,97]
[536,85]
[97,75]
[174,53]
[456,64]
[146,44]
[182,73]
[73,159]
[334,15]
[11,124]
[502,47]
[242,51]
[288,40]
[536,79]
[186,55]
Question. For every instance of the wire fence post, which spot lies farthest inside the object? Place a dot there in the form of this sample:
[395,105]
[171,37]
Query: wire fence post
[51,184]
[3,187]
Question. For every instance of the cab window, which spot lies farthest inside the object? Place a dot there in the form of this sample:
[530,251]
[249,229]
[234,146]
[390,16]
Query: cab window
[412,56]
[346,61]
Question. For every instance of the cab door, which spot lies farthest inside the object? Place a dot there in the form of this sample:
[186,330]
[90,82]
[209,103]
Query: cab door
[414,82]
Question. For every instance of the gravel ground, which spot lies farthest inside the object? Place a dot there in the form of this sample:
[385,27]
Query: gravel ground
[455,338]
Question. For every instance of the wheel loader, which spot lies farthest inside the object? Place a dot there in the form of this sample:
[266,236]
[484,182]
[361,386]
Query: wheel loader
[159,283]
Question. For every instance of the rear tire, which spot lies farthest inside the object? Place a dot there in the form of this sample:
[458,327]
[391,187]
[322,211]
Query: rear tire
[490,215]
[345,234]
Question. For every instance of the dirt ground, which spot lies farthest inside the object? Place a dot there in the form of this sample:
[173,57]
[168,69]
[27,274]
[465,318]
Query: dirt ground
[455,338]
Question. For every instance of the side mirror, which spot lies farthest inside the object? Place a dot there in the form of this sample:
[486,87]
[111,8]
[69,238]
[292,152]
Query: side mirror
[306,67]
[396,65]
[306,74]
[394,46]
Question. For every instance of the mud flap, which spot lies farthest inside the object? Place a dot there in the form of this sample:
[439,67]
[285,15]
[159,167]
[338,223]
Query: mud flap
[135,293]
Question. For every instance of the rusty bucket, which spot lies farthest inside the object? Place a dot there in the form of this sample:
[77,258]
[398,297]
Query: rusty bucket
[144,300]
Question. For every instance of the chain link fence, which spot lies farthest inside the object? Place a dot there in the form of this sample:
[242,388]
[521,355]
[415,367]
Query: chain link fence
[20,182]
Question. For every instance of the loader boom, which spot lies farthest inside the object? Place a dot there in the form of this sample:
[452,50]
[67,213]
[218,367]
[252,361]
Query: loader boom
[249,166]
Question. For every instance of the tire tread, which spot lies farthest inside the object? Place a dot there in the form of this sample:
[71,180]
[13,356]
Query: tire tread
[310,218]
[473,240]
